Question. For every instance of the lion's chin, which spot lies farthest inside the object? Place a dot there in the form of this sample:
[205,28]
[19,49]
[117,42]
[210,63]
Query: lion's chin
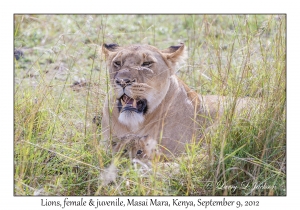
[131,119]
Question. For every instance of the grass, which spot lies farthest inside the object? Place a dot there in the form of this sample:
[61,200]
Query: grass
[61,82]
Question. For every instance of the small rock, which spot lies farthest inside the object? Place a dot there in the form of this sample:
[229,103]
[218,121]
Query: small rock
[18,54]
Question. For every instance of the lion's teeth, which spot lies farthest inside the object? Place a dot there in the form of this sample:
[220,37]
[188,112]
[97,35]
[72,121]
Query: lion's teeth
[134,103]
[123,102]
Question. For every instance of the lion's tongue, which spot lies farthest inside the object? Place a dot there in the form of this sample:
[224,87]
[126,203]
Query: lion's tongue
[128,102]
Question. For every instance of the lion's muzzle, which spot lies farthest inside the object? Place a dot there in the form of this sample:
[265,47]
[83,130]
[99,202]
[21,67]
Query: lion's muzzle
[124,82]
[129,104]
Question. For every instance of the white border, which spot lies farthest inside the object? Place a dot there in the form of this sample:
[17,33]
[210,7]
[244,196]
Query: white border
[8,8]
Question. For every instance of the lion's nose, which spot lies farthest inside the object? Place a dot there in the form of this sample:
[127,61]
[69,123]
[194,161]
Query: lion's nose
[124,82]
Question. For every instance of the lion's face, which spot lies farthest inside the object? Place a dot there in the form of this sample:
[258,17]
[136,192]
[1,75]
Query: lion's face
[134,147]
[140,77]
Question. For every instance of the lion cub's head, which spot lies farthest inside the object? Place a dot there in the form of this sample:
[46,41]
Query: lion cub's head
[140,75]
[137,148]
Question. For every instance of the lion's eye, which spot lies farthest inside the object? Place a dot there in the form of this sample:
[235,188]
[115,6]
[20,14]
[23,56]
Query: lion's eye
[139,152]
[147,64]
[117,64]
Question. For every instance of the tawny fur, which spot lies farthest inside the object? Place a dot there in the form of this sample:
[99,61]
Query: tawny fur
[176,115]
[139,150]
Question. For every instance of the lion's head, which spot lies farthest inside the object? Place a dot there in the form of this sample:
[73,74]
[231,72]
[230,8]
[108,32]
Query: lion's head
[140,77]
[137,148]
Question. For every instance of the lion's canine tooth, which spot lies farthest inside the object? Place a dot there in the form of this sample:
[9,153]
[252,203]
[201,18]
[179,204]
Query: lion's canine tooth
[134,103]
[123,102]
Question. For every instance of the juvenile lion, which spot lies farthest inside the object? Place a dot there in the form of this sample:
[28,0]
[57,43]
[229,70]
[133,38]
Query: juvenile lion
[147,98]
[139,149]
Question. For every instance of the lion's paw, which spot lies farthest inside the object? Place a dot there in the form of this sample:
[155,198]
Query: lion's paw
[109,175]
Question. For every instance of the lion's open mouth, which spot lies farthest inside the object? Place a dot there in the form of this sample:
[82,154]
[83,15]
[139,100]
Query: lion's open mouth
[129,104]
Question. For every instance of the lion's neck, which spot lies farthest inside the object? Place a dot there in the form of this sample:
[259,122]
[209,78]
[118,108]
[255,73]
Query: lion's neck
[177,96]
[178,87]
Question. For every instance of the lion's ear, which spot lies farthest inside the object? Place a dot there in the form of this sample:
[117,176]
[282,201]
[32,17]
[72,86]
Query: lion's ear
[175,53]
[108,48]
[115,142]
[144,138]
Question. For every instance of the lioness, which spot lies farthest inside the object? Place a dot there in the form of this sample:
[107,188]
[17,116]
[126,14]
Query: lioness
[147,98]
